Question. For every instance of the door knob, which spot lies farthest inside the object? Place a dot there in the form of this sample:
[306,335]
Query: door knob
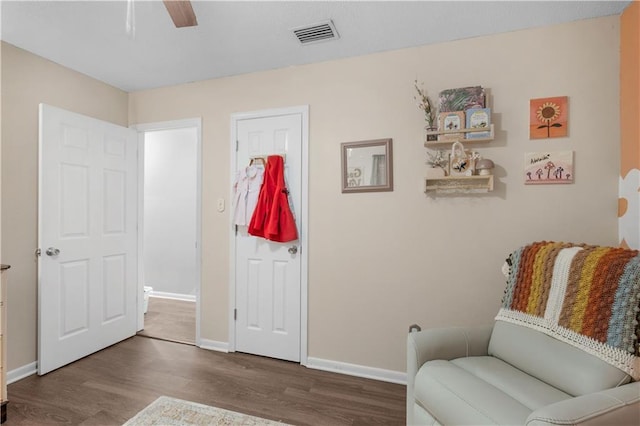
[293,249]
[52,251]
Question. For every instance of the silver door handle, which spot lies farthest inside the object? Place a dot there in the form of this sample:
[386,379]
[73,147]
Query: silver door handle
[52,251]
[293,249]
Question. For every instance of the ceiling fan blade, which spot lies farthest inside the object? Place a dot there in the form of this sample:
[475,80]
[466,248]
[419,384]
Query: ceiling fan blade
[181,13]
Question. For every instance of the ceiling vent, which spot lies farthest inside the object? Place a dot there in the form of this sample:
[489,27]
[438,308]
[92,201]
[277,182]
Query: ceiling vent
[314,33]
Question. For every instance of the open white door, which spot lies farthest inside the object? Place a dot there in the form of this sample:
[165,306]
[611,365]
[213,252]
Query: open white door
[268,274]
[87,236]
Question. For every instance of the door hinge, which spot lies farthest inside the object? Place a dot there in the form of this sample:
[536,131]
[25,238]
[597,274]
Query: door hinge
[235,314]
[236,230]
[38,252]
[237,143]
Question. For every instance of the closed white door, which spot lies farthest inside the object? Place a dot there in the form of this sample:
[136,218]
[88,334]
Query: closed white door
[268,274]
[87,236]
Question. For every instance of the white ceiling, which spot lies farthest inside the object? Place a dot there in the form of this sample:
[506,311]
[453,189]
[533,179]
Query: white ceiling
[236,37]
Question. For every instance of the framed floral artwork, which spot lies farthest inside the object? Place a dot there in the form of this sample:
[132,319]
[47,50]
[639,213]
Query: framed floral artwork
[548,117]
[548,167]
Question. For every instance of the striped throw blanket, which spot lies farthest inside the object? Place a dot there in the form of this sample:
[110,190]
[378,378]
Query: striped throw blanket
[586,296]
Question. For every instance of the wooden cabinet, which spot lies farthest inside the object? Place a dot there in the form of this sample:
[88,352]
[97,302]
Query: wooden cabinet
[3,343]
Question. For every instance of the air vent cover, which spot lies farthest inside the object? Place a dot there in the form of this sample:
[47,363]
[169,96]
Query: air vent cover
[321,31]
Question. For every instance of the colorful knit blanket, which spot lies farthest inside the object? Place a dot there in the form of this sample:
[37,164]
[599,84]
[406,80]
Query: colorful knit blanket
[586,296]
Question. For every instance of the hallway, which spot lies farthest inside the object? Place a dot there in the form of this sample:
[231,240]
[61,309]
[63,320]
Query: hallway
[170,319]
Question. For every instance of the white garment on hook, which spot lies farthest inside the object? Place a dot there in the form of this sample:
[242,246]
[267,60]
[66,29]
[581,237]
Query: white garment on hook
[246,190]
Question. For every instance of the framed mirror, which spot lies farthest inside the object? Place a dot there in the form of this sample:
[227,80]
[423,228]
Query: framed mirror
[367,166]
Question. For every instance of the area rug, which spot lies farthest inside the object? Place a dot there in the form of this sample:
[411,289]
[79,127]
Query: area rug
[168,411]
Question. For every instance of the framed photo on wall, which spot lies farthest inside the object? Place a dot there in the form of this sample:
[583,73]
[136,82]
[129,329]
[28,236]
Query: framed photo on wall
[367,166]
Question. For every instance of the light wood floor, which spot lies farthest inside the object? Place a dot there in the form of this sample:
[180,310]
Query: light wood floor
[111,386]
[170,319]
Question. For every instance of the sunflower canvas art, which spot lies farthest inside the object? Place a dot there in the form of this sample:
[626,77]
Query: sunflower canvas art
[548,117]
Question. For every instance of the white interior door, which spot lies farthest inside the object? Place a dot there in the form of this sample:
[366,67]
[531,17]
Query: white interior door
[268,274]
[87,236]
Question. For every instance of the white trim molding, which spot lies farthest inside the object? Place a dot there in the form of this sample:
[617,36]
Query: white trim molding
[213,345]
[313,363]
[374,373]
[22,372]
[173,296]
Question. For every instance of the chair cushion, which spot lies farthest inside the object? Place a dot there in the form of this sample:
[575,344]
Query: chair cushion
[561,365]
[480,390]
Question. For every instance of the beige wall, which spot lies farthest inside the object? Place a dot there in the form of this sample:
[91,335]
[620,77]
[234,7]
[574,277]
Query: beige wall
[28,80]
[380,262]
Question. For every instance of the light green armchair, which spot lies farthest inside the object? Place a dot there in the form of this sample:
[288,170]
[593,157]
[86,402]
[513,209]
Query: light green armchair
[562,351]
[512,375]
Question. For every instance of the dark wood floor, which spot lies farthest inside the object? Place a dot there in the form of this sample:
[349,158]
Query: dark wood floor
[111,386]
[170,319]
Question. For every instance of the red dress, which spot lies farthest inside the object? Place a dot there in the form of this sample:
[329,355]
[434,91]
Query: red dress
[272,219]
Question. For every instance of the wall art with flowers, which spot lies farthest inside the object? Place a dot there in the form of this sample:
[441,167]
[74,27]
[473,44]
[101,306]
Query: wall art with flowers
[548,117]
[548,167]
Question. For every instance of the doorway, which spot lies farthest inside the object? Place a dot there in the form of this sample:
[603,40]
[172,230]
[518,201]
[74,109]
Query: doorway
[169,231]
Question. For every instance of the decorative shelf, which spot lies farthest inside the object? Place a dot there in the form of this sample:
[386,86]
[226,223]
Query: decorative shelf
[460,184]
[463,131]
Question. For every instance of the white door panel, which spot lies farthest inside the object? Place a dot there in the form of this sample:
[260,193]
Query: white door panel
[268,276]
[87,211]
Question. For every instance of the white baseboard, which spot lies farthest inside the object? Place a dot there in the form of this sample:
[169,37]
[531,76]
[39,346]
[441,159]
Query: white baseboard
[175,296]
[357,370]
[213,345]
[22,372]
[313,363]
[328,365]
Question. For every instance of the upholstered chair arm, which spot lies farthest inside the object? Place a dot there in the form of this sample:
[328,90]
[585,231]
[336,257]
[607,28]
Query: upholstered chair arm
[442,343]
[616,406]
[447,344]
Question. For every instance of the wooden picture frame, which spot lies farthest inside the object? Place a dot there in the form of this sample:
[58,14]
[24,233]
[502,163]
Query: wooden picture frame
[367,166]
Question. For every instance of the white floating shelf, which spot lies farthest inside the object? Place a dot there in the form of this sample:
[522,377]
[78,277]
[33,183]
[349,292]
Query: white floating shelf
[460,184]
[463,138]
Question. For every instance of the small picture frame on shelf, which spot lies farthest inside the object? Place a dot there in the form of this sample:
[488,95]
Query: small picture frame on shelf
[478,118]
[431,135]
[450,121]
